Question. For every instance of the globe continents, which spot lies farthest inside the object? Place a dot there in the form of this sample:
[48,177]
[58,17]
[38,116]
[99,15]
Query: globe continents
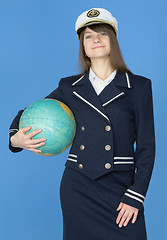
[56,121]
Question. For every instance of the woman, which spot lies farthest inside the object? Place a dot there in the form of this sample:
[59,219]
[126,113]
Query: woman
[105,180]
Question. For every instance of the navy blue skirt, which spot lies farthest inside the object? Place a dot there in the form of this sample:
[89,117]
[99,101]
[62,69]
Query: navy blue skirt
[89,207]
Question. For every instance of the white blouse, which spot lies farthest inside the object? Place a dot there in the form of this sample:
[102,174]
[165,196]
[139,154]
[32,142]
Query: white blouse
[98,83]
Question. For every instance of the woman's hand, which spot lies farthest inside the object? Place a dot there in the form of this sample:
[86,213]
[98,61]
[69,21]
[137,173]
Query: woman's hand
[126,214]
[21,140]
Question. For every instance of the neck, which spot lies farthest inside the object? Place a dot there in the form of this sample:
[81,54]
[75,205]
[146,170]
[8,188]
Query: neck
[101,67]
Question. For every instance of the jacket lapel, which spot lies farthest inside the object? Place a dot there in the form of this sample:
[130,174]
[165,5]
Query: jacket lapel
[112,92]
[84,90]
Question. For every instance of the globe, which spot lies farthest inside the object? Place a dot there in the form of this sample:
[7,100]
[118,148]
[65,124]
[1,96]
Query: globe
[56,121]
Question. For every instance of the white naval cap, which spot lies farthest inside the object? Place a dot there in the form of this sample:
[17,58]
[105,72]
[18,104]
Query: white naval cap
[95,16]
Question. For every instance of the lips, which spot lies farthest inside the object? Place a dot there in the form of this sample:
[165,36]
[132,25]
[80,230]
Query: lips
[97,47]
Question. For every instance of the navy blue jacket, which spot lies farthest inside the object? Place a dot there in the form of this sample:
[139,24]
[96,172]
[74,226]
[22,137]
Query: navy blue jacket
[108,126]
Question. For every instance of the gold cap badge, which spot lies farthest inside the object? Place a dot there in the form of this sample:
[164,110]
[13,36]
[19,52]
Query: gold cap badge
[93,13]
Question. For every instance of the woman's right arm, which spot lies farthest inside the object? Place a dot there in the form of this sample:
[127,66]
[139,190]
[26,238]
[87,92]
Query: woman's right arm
[18,139]
[14,128]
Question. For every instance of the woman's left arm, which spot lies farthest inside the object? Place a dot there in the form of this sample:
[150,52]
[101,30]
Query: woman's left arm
[145,149]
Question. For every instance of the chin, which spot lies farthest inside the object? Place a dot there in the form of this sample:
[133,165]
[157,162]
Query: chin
[99,56]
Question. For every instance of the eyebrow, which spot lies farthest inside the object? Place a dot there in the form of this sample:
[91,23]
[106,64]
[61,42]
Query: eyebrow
[92,32]
[88,32]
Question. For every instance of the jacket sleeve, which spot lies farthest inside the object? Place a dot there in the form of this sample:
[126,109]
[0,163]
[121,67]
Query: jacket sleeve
[14,127]
[145,149]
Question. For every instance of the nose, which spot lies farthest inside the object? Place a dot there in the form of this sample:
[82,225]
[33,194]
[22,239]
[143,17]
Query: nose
[96,38]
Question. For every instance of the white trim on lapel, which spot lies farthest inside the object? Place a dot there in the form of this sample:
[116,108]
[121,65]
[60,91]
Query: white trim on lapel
[122,93]
[78,80]
[108,95]
[91,105]
[113,99]
[128,82]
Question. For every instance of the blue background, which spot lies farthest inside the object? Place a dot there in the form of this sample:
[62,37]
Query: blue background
[38,46]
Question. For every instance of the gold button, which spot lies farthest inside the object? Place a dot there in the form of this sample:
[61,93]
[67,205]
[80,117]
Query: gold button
[82,128]
[107,147]
[80,166]
[82,147]
[107,165]
[108,128]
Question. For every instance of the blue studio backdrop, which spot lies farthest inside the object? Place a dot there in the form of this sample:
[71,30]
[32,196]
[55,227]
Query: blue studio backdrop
[38,46]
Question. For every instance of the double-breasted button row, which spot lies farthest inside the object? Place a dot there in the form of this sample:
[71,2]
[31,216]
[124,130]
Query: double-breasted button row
[107,147]
[107,128]
[107,166]
[82,147]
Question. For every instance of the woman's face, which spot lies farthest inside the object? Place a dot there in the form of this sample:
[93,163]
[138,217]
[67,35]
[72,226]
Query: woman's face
[96,44]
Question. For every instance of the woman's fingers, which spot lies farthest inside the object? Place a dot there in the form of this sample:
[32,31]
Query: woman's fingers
[126,214]
[26,129]
[32,144]
[33,149]
[35,141]
[33,133]
[135,217]
[36,145]
[120,215]
[30,135]
[120,206]
[126,219]
[20,139]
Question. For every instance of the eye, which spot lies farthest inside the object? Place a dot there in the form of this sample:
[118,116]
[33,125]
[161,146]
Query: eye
[88,36]
[104,33]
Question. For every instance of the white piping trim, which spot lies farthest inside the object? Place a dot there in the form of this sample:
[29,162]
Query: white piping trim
[13,130]
[78,80]
[72,155]
[113,98]
[138,194]
[127,78]
[138,199]
[123,162]
[123,157]
[74,160]
[91,105]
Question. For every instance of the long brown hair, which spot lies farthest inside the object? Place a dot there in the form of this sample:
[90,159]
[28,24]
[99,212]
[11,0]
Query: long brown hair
[117,61]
